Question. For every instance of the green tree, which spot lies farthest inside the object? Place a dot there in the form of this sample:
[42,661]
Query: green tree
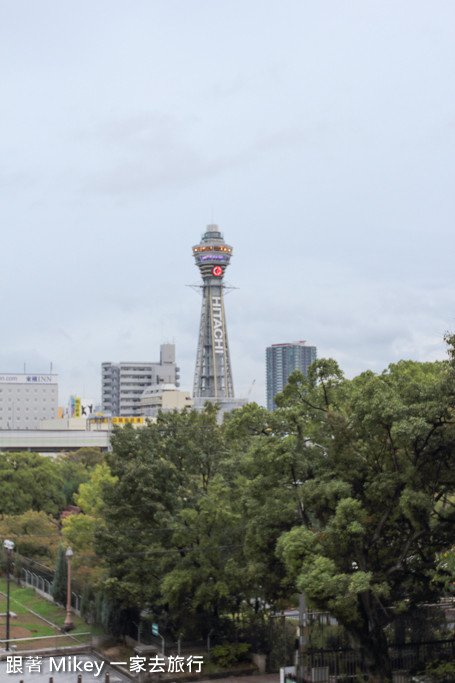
[189,526]
[86,457]
[171,530]
[264,471]
[59,584]
[374,499]
[29,481]
[136,509]
[75,469]
[35,535]
[344,493]
[78,530]
[205,581]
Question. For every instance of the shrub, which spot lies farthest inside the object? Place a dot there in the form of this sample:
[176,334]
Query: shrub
[441,671]
[229,653]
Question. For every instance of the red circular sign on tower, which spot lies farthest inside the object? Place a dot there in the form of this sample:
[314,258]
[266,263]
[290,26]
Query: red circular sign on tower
[217,271]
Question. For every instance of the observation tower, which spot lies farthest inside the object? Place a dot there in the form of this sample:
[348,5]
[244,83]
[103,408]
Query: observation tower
[213,373]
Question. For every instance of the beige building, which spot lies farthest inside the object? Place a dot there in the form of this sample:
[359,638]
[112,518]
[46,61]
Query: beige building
[164,397]
[26,399]
[64,424]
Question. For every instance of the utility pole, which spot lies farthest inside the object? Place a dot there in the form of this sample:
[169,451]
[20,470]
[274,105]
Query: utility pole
[68,624]
[9,546]
[303,638]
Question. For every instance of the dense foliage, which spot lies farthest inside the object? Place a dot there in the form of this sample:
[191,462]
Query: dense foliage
[345,493]
[172,533]
[35,535]
[377,493]
[59,588]
[34,491]
[29,481]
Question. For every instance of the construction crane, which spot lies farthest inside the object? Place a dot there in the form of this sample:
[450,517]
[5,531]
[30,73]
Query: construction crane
[250,390]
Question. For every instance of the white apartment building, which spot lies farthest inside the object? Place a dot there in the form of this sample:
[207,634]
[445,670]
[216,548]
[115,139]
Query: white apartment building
[27,398]
[122,384]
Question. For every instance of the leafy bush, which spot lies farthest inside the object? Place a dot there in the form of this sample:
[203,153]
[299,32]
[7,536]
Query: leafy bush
[441,671]
[229,653]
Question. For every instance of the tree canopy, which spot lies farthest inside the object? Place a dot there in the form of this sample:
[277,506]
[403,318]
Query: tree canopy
[29,481]
[377,492]
[78,530]
[345,493]
[170,531]
[75,468]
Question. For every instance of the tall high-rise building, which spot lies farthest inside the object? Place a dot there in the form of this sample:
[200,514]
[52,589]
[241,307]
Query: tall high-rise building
[281,360]
[213,373]
[122,384]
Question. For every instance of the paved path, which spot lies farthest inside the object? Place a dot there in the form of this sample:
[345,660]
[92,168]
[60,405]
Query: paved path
[256,678]
[62,669]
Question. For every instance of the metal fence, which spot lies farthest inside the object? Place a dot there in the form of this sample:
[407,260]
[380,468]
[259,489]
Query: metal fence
[416,638]
[346,664]
[42,581]
[34,580]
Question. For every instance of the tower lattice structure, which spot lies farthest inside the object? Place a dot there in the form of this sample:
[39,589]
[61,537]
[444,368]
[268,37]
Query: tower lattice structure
[213,373]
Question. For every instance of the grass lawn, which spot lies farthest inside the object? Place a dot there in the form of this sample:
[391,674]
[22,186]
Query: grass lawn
[27,625]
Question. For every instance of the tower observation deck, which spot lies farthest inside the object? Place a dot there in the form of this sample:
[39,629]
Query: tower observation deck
[213,373]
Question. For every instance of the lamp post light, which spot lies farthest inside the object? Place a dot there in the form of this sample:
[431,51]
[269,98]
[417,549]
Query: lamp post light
[9,546]
[68,624]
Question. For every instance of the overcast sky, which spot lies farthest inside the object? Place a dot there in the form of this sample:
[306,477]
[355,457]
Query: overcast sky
[320,136]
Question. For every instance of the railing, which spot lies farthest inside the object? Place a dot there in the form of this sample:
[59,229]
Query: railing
[342,664]
[54,636]
[41,583]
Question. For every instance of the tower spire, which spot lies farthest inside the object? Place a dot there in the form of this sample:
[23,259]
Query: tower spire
[213,373]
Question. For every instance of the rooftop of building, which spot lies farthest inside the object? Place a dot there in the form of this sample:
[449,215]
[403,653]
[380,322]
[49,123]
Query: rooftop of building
[154,389]
[303,342]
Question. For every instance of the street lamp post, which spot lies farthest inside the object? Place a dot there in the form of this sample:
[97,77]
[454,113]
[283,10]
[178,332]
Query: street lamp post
[68,624]
[9,546]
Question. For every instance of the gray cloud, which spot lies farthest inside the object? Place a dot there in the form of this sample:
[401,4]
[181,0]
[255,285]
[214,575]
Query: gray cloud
[321,139]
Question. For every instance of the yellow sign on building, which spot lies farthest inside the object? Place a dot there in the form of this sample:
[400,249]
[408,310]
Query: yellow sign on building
[124,420]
